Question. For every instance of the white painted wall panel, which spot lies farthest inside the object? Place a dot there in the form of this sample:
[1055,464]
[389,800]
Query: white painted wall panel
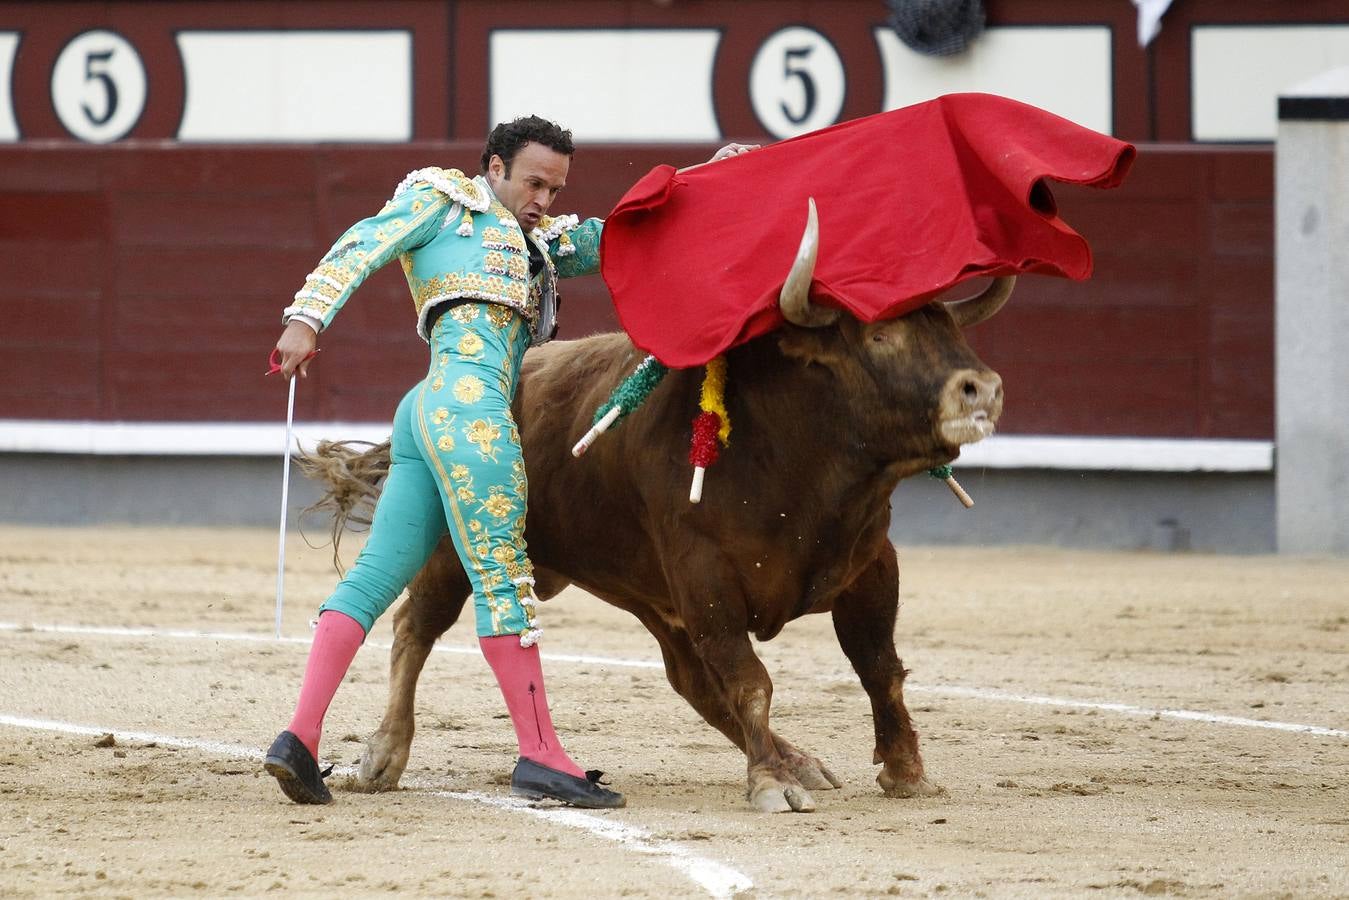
[1003,451]
[1237,72]
[1066,70]
[608,85]
[297,85]
[9,128]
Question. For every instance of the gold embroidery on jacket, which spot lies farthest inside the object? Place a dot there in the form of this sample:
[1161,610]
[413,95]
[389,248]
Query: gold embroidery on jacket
[494,238]
[471,286]
[494,262]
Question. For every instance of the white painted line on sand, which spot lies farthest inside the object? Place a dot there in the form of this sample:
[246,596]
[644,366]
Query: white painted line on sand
[216,748]
[183,633]
[950,690]
[719,880]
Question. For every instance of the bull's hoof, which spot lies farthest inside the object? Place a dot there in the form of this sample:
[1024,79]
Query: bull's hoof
[382,764]
[813,774]
[775,797]
[904,788]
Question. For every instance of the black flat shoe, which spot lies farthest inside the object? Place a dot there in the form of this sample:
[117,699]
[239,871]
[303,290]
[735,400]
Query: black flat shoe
[295,769]
[537,782]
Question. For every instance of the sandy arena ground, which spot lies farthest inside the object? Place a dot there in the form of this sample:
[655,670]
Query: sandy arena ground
[1105,725]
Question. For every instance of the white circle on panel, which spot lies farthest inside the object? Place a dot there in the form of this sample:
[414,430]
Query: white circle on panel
[98,86]
[796,82]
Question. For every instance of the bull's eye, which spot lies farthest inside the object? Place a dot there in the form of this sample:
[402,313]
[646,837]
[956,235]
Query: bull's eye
[879,337]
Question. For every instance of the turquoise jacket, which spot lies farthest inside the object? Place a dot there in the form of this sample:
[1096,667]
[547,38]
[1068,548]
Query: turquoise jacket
[454,240]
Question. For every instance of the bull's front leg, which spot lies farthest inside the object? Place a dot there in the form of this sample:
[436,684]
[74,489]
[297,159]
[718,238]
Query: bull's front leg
[717,624]
[744,681]
[690,677]
[435,599]
[864,620]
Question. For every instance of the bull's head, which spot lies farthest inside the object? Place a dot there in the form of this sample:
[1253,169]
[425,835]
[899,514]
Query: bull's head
[912,384]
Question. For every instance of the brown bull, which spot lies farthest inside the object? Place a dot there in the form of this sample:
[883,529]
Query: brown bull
[829,413]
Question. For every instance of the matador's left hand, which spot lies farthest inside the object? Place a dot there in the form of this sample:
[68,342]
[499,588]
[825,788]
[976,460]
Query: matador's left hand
[732,149]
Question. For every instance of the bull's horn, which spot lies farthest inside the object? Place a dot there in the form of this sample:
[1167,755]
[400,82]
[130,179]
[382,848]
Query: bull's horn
[794,301]
[973,310]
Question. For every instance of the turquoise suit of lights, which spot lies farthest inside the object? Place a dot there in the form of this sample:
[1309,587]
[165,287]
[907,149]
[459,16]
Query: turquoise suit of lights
[455,457]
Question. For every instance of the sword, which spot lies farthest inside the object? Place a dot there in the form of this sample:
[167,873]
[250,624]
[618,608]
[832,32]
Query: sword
[274,366]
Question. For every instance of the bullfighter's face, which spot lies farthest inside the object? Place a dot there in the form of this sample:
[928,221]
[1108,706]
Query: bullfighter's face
[532,183]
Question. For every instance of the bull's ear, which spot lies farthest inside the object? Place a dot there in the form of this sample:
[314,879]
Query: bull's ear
[823,346]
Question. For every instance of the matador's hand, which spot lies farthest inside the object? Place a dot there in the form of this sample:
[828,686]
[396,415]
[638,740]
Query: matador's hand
[296,345]
[732,149]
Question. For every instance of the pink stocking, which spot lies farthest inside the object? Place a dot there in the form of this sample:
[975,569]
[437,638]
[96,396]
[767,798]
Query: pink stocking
[519,674]
[336,641]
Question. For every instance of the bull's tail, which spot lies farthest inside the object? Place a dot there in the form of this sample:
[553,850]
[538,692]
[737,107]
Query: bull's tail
[353,472]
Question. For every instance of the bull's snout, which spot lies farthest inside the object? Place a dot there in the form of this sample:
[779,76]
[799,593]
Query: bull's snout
[970,405]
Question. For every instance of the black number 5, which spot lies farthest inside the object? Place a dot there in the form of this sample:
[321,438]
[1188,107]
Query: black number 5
[793,66]
[109,87]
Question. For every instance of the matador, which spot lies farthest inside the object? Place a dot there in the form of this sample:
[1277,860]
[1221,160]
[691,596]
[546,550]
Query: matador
[482,259]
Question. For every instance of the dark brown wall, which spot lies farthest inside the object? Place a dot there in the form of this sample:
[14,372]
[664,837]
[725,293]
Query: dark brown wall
[1174,333]
[145,282]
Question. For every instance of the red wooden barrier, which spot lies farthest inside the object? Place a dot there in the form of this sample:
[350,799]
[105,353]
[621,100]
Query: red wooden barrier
[144,282]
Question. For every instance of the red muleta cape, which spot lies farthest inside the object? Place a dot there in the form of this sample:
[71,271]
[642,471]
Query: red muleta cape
[910,202]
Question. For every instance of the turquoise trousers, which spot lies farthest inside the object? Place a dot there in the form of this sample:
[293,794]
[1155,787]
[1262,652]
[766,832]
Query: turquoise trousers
[455,466]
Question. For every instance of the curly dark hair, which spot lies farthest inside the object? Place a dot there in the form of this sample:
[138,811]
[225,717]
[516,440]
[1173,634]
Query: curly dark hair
[507,138]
